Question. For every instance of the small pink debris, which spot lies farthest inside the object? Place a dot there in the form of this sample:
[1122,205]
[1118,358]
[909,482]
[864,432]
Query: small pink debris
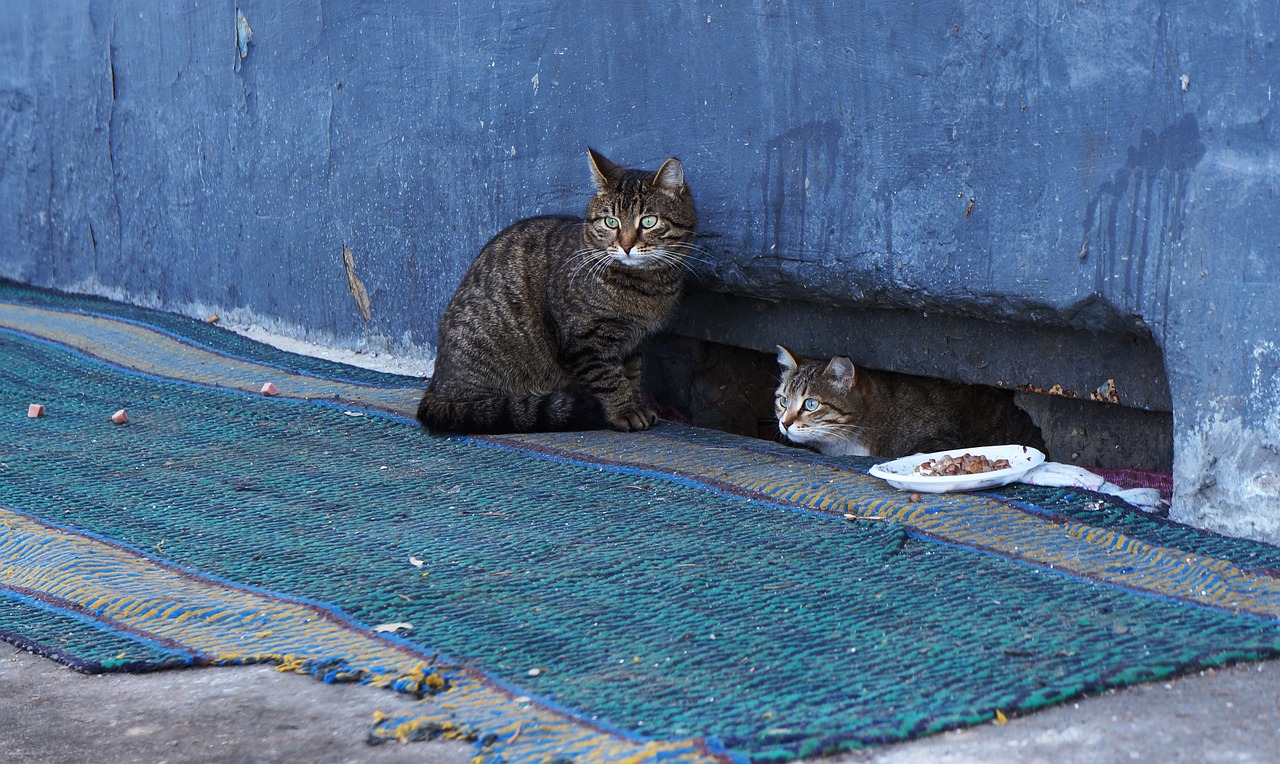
[35,410]
[120,417]
[270,389]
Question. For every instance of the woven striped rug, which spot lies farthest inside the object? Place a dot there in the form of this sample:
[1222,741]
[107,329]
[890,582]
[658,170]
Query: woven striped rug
[676,594]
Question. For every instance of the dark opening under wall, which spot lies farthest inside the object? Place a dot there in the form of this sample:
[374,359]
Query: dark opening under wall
[1100,400]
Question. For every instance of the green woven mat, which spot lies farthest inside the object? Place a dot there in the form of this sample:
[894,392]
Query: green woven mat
[664,586]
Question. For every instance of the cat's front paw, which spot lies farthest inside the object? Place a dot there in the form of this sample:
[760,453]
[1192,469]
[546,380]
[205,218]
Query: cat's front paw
[633,419]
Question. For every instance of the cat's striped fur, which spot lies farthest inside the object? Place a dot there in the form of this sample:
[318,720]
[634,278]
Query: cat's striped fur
[544,331]
[838,409]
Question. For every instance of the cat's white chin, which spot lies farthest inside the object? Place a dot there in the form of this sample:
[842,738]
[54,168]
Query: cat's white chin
[632,260]
[828,446]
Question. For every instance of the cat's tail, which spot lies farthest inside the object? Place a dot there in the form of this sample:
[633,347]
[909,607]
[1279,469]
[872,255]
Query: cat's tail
[553,411]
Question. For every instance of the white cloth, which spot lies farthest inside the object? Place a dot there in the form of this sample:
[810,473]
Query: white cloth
[1070,476]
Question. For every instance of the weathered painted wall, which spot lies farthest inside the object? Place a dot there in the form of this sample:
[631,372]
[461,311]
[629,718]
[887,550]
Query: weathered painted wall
[1089,167]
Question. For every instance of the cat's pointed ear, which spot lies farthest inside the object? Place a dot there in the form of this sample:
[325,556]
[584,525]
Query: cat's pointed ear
[670,176]
[602,170]
[786,360]
[842,370]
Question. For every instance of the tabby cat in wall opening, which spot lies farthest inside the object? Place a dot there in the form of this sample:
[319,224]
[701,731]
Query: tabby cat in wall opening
[840,410]
[544,331]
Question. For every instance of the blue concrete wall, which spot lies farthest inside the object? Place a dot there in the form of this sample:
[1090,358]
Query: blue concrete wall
[1107,168]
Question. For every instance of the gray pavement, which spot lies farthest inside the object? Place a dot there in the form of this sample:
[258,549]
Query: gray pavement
[246,715]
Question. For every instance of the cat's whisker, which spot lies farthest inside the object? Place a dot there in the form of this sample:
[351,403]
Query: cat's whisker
[674,261]
[856,429]
[683,249]
[591,265]
[689,248]
[601,263]
[683,258]
[678,253]
[671,258]
[689,244]
[576,271]
[591,259]
[692,246]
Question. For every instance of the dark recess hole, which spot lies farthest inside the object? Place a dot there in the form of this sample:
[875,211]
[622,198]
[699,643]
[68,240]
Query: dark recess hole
[729,388]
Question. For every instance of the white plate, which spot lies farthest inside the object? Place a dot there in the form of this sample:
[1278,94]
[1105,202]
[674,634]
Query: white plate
[900,473]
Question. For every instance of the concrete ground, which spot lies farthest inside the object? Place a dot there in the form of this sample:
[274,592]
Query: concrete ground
[52,715]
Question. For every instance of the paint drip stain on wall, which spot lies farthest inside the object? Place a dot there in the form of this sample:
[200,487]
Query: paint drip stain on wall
[358,292]
[244,33]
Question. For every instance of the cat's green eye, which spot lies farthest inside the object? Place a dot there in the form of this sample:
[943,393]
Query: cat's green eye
[648,221]
[611,222]
[810,404]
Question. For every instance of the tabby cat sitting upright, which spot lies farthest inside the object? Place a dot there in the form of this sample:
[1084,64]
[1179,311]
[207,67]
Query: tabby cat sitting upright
[840,410]
[544,331]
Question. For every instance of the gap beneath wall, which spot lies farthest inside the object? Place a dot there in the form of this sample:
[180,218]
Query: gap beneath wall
[717,367]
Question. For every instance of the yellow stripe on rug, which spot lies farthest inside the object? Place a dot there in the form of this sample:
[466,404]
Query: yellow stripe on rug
[142,349]
[971,520]
[228,624]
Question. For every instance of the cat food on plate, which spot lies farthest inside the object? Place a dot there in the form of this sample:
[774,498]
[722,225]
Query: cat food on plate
[964,464]
[961,469]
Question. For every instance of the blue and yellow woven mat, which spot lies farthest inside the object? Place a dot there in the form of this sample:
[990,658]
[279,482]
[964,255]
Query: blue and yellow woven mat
[675,594]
